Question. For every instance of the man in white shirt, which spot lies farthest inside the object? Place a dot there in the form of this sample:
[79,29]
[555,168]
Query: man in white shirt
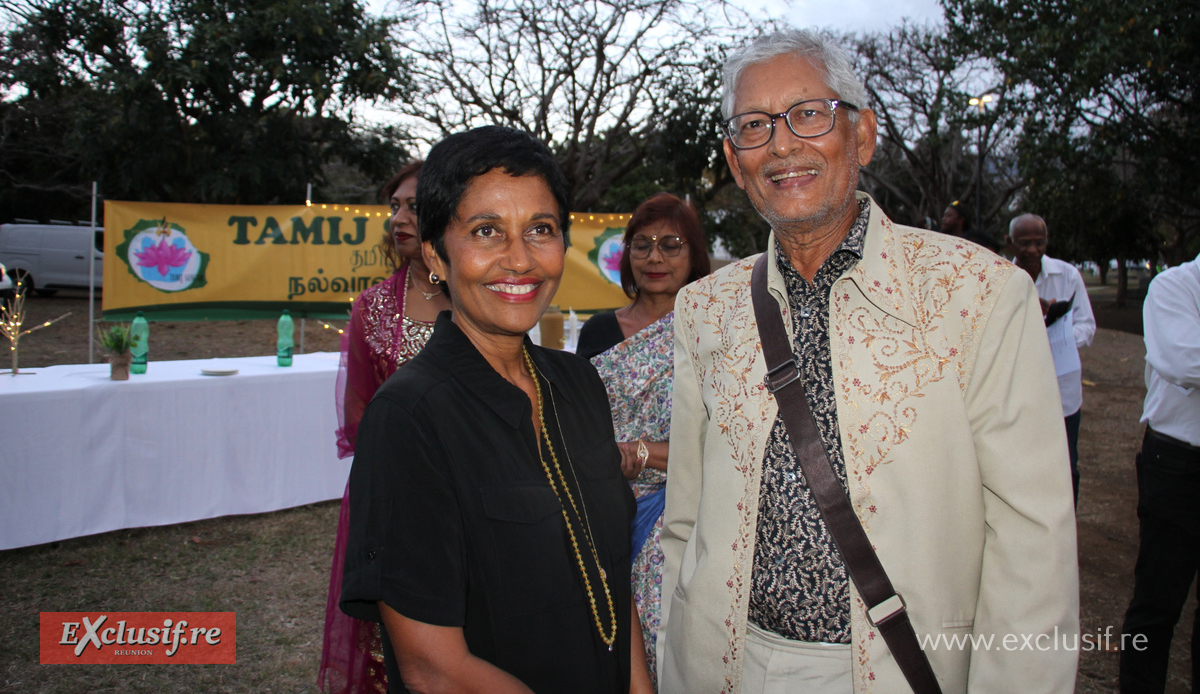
[1059,286]
[1168,473]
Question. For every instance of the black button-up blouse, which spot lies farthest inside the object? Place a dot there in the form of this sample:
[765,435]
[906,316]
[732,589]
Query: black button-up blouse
[453,522]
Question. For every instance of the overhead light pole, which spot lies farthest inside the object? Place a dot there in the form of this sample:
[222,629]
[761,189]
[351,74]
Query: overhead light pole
[980,102]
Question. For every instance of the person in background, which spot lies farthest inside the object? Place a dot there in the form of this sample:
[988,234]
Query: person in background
[954,223]
[632,349]
[489,517]
[389,324]
[1168,475]
[1070,324]
[925,365]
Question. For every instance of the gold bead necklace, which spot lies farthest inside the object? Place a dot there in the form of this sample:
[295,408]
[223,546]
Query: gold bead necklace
[610,636]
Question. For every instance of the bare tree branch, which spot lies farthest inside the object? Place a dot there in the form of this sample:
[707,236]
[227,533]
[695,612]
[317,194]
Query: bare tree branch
[589,77]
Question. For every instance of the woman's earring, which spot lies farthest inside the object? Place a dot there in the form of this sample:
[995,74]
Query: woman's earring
[434,279]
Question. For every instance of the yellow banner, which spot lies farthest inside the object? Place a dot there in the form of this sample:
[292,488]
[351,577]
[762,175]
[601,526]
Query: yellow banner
[180,261]
[218,261]
[592,279]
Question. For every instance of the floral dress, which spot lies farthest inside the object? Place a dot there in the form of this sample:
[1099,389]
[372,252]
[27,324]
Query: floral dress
[638,374]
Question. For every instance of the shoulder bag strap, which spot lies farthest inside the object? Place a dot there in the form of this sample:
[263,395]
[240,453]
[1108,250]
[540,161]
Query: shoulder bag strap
[885,608]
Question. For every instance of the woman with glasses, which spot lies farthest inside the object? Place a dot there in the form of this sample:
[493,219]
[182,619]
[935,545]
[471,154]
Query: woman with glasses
[632,348]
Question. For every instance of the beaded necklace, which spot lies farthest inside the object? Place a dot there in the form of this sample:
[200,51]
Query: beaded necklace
[610,637]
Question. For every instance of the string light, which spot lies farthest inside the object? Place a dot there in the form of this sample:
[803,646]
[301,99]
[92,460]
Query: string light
[621,218]
[12,315]
[340,331]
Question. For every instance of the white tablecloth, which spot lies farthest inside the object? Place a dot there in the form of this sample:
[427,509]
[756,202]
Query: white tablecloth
[82,454]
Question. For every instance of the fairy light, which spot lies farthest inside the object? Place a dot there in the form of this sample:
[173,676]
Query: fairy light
[12,316]
[621,218]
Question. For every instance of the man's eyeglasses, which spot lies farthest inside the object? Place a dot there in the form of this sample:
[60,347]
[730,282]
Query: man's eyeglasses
[811,118]
[641,247]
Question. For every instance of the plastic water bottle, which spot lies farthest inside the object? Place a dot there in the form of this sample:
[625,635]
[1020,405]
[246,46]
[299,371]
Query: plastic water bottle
[139,331]
[283,346]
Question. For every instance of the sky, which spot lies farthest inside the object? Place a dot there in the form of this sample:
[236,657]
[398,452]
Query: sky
[842,15]
[839,15]
[848,15]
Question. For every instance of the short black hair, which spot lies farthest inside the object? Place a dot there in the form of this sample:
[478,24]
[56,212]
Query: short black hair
[456,160]
[959,209]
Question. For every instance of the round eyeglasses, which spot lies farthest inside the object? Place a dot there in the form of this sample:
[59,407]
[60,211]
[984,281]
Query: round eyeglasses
[811,118]
[641,247]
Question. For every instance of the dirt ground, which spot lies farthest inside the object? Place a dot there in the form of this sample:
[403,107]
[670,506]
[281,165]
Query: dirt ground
[66,342]
[1109,439]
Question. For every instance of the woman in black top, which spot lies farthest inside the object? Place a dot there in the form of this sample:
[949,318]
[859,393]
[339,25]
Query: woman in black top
[489,518]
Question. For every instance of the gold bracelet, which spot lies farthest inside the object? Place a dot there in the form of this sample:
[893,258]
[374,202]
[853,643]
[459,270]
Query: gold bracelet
[643,453]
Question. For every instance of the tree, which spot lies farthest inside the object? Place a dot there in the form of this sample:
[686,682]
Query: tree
[603,82]
[684,155]
[919,85]
[233,101]
[1116,78]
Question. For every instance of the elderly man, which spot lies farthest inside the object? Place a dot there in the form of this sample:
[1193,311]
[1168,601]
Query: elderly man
[925,365]
[1070,324]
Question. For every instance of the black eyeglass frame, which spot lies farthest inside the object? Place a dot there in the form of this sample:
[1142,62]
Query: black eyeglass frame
[655,242]
[833,104]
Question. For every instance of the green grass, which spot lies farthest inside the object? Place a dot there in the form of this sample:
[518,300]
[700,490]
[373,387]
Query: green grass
[271,569]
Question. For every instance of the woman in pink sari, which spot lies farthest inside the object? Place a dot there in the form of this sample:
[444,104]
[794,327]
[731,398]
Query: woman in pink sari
[389,324]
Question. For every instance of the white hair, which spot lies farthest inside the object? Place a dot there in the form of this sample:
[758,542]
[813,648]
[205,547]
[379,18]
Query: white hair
[1028,215]
[803,43]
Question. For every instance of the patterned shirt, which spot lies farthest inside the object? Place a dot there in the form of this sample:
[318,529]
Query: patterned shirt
[800,586]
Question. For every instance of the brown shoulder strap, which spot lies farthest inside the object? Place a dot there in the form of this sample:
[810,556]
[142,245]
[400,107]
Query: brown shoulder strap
[885,608]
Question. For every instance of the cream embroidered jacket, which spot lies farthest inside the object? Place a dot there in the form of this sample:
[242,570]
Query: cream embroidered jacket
[956,460]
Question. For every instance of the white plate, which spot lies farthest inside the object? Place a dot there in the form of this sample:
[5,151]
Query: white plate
[218,372]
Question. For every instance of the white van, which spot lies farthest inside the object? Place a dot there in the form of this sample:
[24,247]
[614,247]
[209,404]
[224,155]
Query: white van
[48,257]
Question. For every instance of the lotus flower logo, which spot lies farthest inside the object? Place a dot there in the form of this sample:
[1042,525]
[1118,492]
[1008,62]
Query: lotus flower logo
[607,254]
[163,257]
[160,254]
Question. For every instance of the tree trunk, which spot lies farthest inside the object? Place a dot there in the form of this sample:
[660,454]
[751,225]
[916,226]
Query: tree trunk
[1103,266]
[1122,281]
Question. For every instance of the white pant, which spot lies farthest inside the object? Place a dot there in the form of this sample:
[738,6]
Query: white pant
[775,665]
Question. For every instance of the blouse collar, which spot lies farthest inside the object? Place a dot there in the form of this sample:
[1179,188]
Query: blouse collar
[451,350]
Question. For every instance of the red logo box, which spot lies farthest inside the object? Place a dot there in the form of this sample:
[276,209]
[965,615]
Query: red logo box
[132,638]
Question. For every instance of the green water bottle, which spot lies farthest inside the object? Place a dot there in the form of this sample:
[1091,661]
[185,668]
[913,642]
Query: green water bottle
[283,346]
[139,332]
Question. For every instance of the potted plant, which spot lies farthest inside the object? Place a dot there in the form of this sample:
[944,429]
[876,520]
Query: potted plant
[117,341]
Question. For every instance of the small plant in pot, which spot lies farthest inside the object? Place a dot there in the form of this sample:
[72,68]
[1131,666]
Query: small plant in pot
[117,341]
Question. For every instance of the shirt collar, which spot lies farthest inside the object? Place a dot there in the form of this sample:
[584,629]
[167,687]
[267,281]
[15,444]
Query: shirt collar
[853,242]
[452,351]
[879,275]
[856,238]
[1050,268]
[852,245]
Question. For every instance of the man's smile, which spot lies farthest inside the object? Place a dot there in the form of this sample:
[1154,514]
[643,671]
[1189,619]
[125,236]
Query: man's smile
[792,173]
